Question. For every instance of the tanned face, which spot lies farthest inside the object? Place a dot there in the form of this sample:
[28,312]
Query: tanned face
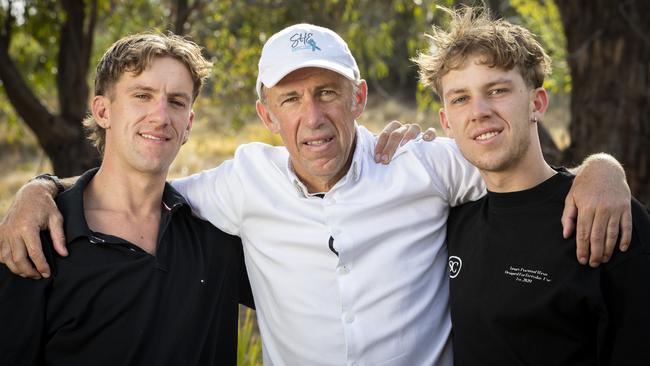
[490,113]
[314,110]
[147,116]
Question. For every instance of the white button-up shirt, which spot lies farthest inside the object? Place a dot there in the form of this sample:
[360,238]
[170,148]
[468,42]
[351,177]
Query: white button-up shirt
[384,299]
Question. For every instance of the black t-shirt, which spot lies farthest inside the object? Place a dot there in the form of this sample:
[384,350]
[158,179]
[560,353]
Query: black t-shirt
[519,296]
[111,303]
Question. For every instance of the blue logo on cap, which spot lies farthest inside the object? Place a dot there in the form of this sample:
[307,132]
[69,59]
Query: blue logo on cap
[303,41]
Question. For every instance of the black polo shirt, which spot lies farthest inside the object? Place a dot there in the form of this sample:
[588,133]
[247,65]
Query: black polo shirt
[111,303]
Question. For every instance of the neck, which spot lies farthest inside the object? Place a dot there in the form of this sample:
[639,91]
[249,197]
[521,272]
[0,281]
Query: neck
[133,194]
[318,185]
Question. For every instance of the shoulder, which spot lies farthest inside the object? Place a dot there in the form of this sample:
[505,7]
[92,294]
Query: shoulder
[199,228]
[258,152]
[640,243]
[439,144]
[466,211]
[561,185]
[440,155]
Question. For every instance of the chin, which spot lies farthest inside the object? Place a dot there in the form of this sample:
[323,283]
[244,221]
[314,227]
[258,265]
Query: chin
[490,164]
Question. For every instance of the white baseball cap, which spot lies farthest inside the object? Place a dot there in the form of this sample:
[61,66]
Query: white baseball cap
[303,45]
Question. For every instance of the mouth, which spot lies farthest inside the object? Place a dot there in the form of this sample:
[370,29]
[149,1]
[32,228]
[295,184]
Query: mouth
[486,135]
[153,137]
[319,142]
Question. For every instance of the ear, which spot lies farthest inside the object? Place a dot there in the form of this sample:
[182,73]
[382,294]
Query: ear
[188,129]
[101,111]
[444,122]
[539,103]
[265,116]
[361,98]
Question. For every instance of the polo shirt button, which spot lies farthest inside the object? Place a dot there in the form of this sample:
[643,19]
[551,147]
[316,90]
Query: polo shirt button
[343,270]
[349,318]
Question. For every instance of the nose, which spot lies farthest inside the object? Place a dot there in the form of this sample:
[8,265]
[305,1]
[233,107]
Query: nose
[312,113]
[480,109]
[159,113]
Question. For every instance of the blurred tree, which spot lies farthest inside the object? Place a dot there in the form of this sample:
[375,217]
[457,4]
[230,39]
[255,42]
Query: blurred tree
[383,36]
[25,39]
[46,48]
[609,54]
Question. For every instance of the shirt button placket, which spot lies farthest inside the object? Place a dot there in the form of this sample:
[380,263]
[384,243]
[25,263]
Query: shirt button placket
[342,275]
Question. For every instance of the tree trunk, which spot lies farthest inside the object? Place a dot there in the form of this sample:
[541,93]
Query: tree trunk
[609,55]
[181,12]
[61,136]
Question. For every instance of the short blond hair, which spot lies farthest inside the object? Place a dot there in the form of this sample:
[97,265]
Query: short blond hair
[134,54]
[472,32]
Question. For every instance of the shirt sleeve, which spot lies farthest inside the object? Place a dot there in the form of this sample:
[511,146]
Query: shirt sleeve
[215,195]
[455,177]
[626,294]
[22,315]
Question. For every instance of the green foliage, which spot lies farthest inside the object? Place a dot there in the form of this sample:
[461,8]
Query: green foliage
[34,47]
[542,17]
[383,36]
[249,346]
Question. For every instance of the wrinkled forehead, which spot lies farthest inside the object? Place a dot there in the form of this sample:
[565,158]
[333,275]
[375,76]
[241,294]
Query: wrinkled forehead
[308,78]
[308,74]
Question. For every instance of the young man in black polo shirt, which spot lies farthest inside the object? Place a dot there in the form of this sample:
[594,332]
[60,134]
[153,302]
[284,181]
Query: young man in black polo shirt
[518,297]
[145,282]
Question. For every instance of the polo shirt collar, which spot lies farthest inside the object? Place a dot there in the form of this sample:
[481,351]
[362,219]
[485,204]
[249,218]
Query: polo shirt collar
[71,205]
[353,174]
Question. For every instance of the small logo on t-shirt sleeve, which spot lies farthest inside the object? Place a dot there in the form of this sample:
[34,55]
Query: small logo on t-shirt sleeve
[455,263]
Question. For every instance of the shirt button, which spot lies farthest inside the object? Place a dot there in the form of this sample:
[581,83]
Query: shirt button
[343,270]
[349,318]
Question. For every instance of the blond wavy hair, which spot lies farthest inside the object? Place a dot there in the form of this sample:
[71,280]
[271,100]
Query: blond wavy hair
[472,32]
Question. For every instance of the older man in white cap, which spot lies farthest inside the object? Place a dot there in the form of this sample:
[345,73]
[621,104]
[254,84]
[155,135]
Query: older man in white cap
[346,258]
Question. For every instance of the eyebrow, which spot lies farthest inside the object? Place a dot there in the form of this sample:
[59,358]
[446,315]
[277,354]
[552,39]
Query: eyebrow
[293,93]
[486,86]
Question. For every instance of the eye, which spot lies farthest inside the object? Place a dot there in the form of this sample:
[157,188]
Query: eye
[177,103]
[497,91]
[142,96]
[460,99]
[289,100]
[327,94]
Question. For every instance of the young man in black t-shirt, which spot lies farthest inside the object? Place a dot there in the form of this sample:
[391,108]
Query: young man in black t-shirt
[518,296]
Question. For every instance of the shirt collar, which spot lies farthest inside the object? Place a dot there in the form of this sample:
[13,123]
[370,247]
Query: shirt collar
[353,174]
[71,205]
